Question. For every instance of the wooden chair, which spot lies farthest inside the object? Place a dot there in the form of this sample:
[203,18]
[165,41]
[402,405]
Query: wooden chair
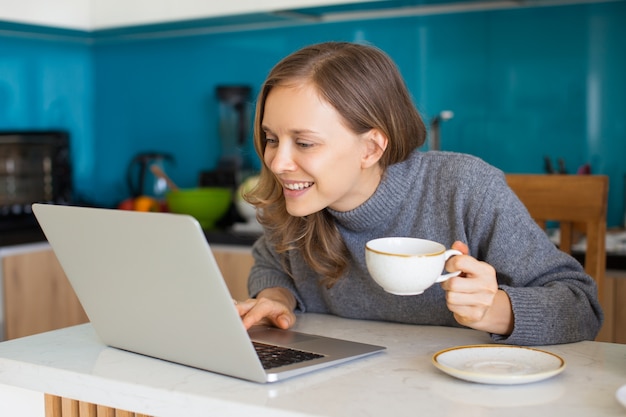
[579,204]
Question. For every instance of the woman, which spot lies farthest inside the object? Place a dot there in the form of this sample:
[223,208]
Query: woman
[338,135]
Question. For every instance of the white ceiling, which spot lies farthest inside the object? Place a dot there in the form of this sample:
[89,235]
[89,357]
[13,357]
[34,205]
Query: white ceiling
[91,15]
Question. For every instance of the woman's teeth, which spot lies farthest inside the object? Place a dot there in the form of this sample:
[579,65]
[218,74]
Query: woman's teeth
[298,186]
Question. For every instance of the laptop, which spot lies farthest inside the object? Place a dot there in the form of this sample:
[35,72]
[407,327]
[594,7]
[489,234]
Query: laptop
[150,285]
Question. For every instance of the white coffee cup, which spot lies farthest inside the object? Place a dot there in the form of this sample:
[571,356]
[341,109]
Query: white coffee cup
[406,265]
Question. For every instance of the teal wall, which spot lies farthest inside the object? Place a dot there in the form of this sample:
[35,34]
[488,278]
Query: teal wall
[523,84]
[47,82]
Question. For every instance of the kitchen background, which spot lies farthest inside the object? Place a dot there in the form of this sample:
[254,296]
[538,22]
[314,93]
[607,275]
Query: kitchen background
[524,84]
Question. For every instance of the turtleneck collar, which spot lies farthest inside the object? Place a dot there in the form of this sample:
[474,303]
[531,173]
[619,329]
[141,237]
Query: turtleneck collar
[388,196]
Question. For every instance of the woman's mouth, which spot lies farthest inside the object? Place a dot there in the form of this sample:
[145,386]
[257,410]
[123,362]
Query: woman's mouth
[297,186]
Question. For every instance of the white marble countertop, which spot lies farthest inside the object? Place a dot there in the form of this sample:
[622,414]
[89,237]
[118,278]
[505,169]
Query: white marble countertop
[401,381]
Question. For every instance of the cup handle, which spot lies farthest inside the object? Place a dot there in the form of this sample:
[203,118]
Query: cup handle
[447,255]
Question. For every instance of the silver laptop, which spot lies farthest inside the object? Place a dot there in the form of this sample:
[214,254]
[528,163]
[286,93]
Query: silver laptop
[149,284]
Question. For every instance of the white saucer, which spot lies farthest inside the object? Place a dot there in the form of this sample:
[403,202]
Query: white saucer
[621,395]
[498,364]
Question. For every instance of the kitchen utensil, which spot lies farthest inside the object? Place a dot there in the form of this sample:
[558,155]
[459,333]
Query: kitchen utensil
[158,172]
[140,180]
[206,204]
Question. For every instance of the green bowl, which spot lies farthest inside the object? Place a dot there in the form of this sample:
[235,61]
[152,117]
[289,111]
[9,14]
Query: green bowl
[206,204]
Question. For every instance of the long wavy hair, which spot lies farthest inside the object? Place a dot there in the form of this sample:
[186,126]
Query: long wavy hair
[365,87]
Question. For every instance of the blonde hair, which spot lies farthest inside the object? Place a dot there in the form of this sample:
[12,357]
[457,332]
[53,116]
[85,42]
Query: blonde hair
[365,87]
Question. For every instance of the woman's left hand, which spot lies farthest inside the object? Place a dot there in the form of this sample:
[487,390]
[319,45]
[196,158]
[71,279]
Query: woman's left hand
[473,297]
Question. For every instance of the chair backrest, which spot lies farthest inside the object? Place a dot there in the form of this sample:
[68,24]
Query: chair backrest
[577,203]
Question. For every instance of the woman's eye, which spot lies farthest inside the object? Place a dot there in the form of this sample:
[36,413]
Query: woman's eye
[270,140]
[304,144]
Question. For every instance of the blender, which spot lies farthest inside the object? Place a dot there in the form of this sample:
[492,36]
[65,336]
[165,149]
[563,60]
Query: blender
[234,126]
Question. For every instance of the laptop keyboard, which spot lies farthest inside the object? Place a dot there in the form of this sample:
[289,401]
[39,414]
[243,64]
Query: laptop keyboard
[273,356]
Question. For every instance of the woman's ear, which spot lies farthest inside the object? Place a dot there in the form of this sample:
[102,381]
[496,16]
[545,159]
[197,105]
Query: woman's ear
[375,145]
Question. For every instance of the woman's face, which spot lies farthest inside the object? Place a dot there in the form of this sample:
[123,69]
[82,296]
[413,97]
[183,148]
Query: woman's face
[318,161]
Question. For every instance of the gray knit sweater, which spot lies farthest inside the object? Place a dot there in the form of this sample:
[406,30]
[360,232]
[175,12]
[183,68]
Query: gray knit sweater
[447,197]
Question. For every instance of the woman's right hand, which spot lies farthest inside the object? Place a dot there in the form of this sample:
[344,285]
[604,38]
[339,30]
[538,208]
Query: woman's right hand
[272,306]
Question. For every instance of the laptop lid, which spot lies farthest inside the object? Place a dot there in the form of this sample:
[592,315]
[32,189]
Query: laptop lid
[149,284]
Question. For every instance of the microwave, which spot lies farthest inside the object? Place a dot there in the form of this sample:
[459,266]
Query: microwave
[35,167]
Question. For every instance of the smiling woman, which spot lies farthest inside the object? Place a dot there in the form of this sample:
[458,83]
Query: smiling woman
[346,154]
[339,136]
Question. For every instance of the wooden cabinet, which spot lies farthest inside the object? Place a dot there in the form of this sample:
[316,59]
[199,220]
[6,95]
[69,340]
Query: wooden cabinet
[66,407]
[37,295]
[39,298]
[235,263]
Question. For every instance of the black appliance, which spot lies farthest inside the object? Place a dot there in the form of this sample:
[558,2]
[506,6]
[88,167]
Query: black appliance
[35,166]
[234,125]
[236,147]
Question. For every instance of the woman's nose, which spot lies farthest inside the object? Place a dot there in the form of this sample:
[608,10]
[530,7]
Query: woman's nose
[281,159]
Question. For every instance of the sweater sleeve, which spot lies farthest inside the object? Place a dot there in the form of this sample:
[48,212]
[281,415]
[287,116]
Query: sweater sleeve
[553,299]
[268,272]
